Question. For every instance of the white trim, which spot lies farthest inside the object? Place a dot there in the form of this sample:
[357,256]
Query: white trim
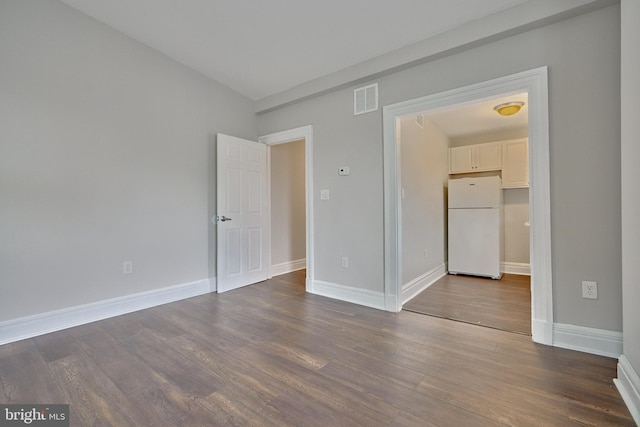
[288,267]
[589,340]
[347,293]
[39,324]
[306,133]
[269,254]
[534,82]
[520,268]
[420,283]
[542,329]
[628,384]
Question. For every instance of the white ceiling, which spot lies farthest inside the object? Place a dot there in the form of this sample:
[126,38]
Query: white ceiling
[263,47]
[480,118]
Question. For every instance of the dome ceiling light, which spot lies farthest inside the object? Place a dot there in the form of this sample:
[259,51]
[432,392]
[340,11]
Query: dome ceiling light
[509,108]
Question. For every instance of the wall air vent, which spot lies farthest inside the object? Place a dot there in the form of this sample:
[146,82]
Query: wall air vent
[365,99]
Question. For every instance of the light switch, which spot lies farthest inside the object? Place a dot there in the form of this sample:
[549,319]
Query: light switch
[324,194]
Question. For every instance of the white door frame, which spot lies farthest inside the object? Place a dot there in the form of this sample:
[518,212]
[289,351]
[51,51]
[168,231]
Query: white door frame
[306,133]
[535,83]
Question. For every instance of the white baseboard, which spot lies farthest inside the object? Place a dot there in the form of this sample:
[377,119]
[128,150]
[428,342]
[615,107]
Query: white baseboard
[288,267]
[39,324]
[628,383]
[542,332]
[520,268]
[588,340]
[347,293]
[420,283]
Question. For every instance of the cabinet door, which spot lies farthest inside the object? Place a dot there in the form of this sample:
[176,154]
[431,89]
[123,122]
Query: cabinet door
[461,160]
[488,157]
[515,164]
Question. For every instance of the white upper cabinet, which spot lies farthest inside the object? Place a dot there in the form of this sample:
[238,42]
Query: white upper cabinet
[475,158]
[515,163]
[511,157]
[461,160]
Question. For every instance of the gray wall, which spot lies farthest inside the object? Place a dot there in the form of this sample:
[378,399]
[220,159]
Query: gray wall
[423,156]
[583,56]
[288,214]
[350,222]
[630,179]
[516,234]
[105,152]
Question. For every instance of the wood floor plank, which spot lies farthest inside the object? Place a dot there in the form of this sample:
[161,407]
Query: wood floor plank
[56,346]
[17,347]
[273,355]
[96,400]
[235,371]
[160,402]
[434,410]
[340,398]
[200,327]
[26,378]
[232,406]
[172,366]
[502,304]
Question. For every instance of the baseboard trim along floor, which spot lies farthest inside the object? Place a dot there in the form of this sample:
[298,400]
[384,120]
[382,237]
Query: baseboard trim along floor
[40,324]
[588,340]
[628,384]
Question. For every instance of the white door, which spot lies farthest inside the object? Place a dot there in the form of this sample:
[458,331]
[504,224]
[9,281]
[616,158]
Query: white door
[242,217]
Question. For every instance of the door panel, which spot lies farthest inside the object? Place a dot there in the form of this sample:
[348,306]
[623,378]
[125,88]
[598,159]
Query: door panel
[255,249]
[234,247]
[242,221]
[234,191]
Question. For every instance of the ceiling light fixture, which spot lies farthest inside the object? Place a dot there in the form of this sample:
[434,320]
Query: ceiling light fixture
[509,108]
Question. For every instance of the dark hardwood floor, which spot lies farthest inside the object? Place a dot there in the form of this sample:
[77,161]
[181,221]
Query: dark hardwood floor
[272,355]
[502,304]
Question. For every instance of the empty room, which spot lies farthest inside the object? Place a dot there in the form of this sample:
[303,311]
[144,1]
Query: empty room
[220,213]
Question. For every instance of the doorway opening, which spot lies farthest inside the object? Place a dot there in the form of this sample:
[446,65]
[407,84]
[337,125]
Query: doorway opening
[290,189]
[533,83]
[490,247]
[288,217]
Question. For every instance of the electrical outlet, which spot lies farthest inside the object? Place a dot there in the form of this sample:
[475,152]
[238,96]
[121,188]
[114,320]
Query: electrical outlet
[324,194]
[345,262]
[127,267]
[589,289]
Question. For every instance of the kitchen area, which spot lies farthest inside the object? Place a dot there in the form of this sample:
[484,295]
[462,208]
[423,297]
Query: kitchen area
[465,198]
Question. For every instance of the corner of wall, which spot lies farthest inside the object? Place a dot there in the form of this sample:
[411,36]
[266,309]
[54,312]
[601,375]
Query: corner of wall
[358,296]
[628,384]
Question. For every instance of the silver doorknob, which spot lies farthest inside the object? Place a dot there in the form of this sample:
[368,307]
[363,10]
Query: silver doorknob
[223,218]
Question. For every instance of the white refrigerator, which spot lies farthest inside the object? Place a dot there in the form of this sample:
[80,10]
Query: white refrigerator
[475,243]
